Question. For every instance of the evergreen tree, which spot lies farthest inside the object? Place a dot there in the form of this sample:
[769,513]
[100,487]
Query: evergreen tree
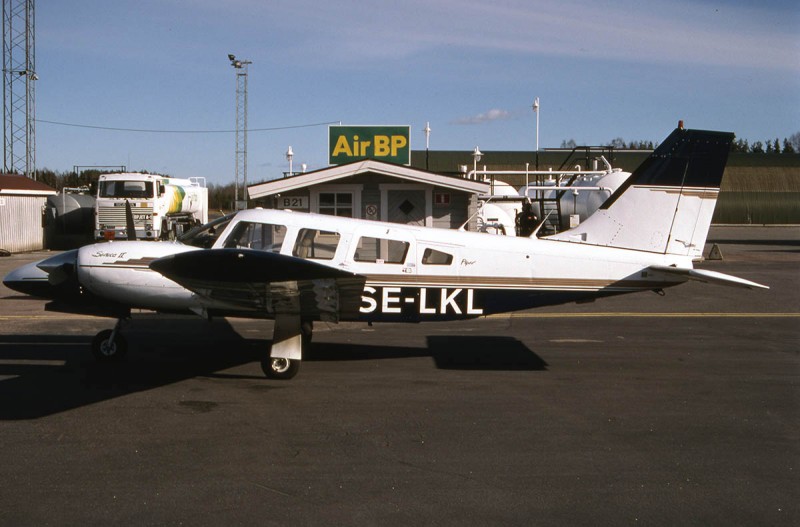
[794,140]
[569,144]
[740,145]
[787,147]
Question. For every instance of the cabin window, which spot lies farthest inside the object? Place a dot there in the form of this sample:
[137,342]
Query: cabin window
[206,235]
[315,244]
[434,257]
[336,204]
[259,236]
[381,250]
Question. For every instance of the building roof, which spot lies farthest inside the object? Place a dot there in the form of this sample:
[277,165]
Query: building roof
[327,175]
[23,186]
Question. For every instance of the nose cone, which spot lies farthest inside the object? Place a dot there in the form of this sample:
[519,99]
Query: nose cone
[53,277]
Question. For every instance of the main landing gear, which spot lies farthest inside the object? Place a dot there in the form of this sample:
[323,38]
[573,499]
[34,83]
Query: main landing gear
[109,345]
[290,337]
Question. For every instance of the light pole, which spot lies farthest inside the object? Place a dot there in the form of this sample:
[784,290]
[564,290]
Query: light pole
[241,126]
[427,131]
[289,156]
[536,111]
[476,156]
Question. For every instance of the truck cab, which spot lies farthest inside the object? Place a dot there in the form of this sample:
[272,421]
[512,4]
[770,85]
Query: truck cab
[161,207]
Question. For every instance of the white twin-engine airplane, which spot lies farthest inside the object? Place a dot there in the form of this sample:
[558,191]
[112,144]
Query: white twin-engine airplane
[297,268]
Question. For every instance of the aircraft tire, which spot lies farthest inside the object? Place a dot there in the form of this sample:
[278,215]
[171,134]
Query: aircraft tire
[280,369]
[108,351]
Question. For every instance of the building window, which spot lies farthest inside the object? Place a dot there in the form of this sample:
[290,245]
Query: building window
[336,204]
[441,198]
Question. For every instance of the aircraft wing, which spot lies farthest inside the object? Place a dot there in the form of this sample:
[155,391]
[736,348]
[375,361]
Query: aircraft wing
[704,275]
[266,282]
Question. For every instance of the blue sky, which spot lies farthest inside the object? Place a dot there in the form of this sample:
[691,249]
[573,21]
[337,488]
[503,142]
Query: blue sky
[602,70]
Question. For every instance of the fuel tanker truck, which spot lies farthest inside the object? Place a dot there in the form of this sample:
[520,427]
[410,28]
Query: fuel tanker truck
[161,207]
[559,200]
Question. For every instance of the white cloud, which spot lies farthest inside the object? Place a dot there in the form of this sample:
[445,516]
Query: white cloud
[494,114]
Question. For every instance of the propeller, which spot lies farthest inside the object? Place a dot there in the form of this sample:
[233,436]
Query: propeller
[130,227]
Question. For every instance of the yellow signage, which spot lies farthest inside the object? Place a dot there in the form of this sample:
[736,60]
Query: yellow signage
[353,143]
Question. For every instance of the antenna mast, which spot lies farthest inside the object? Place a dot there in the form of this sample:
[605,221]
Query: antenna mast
[241,126]
[19,74]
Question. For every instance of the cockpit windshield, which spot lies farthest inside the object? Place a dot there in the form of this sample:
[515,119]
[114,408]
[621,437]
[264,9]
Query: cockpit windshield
[206,235]
[126,189]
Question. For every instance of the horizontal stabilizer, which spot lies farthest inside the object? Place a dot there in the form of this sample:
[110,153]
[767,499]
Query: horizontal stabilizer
[711,277]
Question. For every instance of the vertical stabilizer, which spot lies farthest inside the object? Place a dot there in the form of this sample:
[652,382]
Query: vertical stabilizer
[666,205]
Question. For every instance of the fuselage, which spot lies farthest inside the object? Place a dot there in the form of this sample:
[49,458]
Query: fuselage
[412,273]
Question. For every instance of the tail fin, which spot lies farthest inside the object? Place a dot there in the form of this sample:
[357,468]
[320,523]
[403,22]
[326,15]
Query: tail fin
[666,205]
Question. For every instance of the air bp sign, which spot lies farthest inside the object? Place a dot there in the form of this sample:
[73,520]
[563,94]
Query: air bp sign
[384,143]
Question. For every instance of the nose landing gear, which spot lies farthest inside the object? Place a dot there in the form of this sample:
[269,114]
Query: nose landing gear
[109,345]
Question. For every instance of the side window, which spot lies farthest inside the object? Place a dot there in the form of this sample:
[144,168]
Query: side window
[381,250]
[259,236]
[316,244]
[434,257]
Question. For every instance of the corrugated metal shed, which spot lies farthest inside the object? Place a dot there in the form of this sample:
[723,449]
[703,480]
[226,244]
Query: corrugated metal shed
[22,201]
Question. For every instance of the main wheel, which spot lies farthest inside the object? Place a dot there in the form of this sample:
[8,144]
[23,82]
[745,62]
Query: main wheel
[106,350]
[279,368]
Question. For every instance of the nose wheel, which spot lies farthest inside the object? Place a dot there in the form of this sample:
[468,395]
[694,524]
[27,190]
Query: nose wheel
[109,346]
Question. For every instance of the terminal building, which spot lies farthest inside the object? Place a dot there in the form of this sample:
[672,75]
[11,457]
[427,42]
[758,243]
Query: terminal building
[391,183]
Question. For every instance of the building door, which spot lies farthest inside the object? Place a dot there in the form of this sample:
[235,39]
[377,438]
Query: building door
[406,206]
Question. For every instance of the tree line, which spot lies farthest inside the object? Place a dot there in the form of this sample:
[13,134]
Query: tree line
[789,145]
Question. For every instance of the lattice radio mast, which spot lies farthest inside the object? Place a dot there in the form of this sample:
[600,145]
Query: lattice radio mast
[19,76]
[241,126]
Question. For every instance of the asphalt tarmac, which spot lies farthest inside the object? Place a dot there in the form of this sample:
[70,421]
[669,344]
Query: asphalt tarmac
[681,410]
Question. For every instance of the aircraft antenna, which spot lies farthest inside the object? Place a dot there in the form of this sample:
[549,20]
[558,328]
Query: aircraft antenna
[19,74]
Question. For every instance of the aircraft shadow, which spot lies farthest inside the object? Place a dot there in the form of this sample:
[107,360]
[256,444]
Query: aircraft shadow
[42,375]
[57,373]
[448,353]
[483,353]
